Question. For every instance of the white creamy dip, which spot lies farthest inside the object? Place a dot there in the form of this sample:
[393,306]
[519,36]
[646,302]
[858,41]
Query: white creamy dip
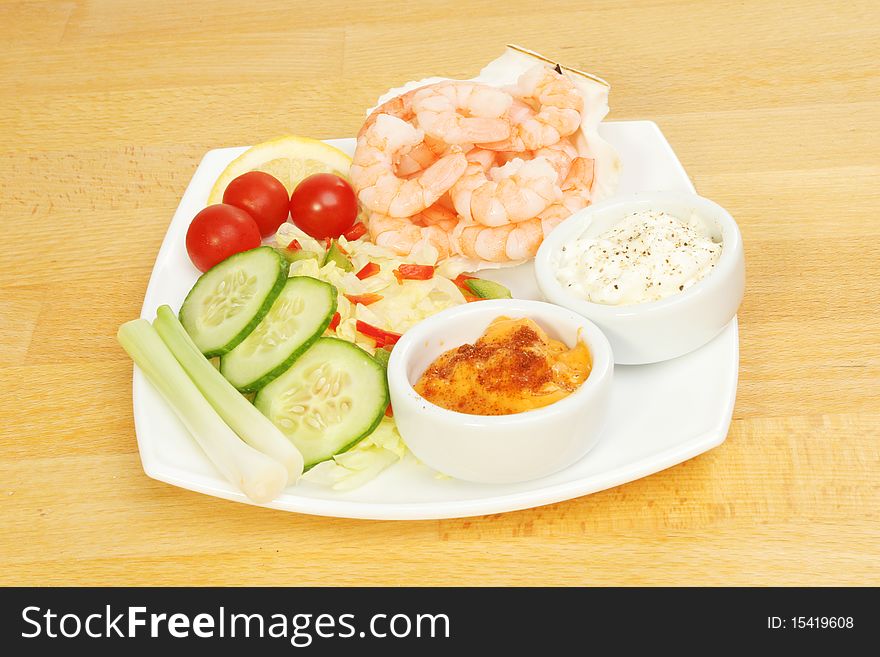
[647,256]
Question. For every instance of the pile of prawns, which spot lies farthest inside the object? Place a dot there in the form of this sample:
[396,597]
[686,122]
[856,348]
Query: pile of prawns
[471,169]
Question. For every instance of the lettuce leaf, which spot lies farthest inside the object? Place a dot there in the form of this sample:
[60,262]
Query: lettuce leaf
[363,462]
[403,305]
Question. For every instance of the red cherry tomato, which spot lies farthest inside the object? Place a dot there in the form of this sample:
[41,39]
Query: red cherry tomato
[218,232]
[262,196]
[323,205]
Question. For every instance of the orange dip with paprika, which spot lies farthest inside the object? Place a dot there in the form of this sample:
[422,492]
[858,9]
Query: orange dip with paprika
[513,367]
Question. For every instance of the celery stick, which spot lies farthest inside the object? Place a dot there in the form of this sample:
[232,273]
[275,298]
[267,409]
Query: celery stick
[253,427]
[260,477]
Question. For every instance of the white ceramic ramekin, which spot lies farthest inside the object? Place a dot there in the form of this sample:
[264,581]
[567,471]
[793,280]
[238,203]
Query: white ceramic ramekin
[503,448]
[658,330]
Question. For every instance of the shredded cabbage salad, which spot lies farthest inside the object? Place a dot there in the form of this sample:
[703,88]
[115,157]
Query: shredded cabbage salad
[403,304]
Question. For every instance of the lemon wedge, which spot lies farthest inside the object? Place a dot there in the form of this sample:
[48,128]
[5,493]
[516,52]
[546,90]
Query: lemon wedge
[289,158]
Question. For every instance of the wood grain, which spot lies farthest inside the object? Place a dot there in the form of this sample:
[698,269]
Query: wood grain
[108,105]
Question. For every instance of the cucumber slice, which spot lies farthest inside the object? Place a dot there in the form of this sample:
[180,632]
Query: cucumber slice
[335,255]
[332,397]
[231,298]
[486,289]
[298,317]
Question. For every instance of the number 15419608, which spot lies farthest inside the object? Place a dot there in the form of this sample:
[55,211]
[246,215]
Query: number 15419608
[809,622]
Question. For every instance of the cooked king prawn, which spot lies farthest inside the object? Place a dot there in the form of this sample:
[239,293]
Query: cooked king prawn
[474,170]
[379,187]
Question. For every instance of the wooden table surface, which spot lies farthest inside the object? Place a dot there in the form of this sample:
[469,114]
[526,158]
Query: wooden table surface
[107,107]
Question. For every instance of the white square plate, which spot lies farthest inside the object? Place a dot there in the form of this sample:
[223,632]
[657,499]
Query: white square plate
[661,414]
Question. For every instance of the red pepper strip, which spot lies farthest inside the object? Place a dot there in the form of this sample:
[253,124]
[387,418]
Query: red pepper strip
[327,243]
[364,299]
[389,412]
[380,336]
[416,272]
[461,278]
[461,282]
[335,321]
[369,269]
[355,232]
[391,340]
[294,246]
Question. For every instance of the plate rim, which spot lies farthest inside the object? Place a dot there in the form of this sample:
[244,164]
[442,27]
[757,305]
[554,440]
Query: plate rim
[157,469]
